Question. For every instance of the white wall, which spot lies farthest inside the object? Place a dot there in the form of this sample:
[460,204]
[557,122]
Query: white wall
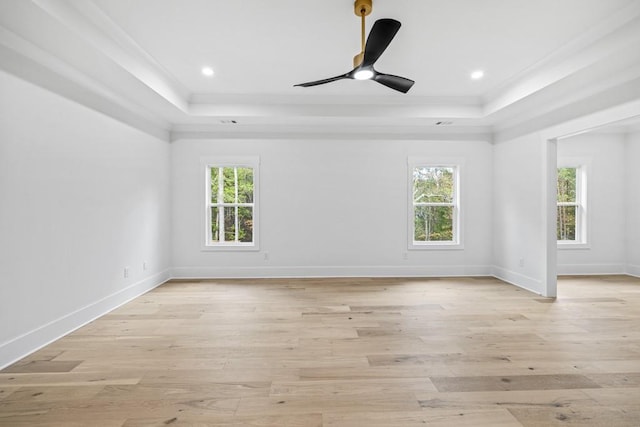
[633,203]
[519,223]
[331,208]
[606,211]
[81,197]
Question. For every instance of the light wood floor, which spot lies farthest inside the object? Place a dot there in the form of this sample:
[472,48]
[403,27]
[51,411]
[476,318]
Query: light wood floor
[343,352]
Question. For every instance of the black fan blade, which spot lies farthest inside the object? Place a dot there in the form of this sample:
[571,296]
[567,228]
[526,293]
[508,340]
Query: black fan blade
[383,31]
[321,82]
[398,83]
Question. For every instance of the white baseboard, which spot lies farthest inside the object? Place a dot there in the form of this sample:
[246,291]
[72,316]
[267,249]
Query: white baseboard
[19,347]
[329,271]
[520,280]
[633,270]
[590,269]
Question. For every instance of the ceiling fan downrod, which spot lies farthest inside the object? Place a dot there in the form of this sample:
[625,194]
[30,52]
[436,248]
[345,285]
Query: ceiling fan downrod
[361,8]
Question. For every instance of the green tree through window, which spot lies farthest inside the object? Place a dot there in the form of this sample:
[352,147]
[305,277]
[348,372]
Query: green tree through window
[232,204]
[434,204]
[569,209]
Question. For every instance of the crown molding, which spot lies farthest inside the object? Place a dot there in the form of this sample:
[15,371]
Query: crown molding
[91,24]
[342,132]
[619,103]
[596,44]
[27,61]
[316,99]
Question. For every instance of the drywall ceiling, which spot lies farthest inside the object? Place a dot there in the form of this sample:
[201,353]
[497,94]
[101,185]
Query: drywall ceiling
[266,47]
[145,57]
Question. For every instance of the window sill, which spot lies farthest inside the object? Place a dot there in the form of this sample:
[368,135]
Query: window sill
[440,246]
[230,248]
[563,246]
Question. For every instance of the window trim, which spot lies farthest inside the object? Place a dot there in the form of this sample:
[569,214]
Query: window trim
[458,165]
[229,161]
[582,166]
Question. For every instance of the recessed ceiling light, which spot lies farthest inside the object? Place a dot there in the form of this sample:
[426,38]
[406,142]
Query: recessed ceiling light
[207,71]
[477,75]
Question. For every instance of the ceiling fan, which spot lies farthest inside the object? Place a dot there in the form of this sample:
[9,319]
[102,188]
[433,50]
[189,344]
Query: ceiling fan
[382,32]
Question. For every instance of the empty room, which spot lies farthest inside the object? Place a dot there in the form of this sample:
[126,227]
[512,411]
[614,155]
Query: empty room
[329,214]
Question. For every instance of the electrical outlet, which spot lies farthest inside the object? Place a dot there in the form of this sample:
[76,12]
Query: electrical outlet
[144,265]
[521,262]
[126,272]
[266,256]
[405,255]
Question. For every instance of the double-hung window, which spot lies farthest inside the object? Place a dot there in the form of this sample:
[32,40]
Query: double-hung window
[231,208]
[571,191]
[434,206]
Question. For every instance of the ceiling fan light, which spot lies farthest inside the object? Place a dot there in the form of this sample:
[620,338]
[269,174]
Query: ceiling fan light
[207,71]
[477,75]
[363,74]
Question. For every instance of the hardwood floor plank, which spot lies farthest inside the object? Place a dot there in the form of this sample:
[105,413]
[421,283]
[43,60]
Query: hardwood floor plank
[547,399]
[6,391]
[188,391]
[436,418]
[616,380]
[374,372]
[68,379]
[54,393]
[42,366]
[514,382]
[196,376]
[109,409]
[319,388]
[299,405]
[304,420]
[577,416]
[302,362]
[615,397]
[33,421]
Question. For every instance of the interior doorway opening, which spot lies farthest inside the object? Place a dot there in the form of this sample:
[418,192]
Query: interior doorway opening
[593,223]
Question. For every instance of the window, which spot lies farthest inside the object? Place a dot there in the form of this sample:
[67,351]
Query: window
[434,206]
[231,205]
[571,224]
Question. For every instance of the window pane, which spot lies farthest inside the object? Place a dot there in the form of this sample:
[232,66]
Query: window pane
[432,184]
[245,185]
[229,186]
[567,222]
[245,224]
[229,224]
[567,184]
[433,223]
[215,225]
[214,185]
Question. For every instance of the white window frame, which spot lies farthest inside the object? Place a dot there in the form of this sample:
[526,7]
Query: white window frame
[228,162]
[582,167]
[457,165]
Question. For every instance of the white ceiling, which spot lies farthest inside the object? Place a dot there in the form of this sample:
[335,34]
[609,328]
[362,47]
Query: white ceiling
[539,57]
[268,46]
